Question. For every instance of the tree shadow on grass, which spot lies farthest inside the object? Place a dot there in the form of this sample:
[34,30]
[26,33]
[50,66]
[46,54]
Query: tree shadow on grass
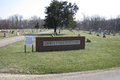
[43,34]
[24,52]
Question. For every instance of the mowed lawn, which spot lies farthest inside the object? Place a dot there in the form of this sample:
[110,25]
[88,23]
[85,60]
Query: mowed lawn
[101,53]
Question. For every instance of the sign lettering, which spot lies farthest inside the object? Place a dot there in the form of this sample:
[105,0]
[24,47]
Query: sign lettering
[58,43]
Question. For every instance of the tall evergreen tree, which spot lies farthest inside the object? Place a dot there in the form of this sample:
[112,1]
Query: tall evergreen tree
[59,14]
[37,25]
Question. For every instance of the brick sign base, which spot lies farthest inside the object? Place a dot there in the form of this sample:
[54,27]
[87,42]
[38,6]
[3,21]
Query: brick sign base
[59,43]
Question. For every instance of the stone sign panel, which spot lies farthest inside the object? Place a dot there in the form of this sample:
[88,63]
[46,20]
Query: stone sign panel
[59,43]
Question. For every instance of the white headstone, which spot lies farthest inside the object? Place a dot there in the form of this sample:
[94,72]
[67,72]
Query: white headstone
[52,35]
[0,30]
[17,33]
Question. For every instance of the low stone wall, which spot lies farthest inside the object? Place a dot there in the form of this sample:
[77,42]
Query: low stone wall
[59,43]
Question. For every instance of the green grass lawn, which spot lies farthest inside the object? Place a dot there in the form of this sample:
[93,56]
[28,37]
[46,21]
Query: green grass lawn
[101,53]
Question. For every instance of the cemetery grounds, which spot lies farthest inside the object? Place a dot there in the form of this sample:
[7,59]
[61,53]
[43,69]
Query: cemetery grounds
[21,32]
[101,53]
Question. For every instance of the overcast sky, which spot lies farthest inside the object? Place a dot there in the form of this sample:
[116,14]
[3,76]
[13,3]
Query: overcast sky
[28,8]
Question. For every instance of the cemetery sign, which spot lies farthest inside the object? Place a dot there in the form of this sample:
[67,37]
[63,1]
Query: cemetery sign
[28,41]
[59,43]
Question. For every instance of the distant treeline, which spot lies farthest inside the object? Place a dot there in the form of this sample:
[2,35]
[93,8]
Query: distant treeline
[96,22]
[18,22]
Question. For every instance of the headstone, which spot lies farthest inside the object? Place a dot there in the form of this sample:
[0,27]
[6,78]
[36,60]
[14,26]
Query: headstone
[59,30]
[78,34]
[40,30]
[32,31]
[8,30]
[5,35]
[99,30]
[13,32]
[52,35]
[77,29]
[88,40]
[71,29]
[98,35]
[23,32]
[35,30]
[105,32]
[113,33]
[0,30]
[104,35]
[90,30]
[108,32]
[83,31]
[17,33]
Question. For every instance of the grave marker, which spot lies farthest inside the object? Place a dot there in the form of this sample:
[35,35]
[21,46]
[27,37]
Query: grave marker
[113,33]
[59,30]
[17,33]
[99,30]
[108,32]
[83,31]
[78,34]
[8,31]
[105,32]
[104,35]
[13,32]
[90,30]
[5,35]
